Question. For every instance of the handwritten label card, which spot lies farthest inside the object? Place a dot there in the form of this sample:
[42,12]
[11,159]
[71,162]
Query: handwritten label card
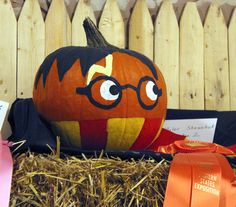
[195,129]
[3,111]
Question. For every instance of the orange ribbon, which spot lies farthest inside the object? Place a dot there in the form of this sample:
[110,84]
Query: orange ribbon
[187,146]
[200,179]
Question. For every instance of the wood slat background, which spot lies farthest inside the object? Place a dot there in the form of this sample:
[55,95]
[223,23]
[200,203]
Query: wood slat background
[191,59]
[166,51]
[31,47]
[195,52]
[216,60]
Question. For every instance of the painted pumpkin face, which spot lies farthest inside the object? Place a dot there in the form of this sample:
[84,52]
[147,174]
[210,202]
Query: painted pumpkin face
[100,98]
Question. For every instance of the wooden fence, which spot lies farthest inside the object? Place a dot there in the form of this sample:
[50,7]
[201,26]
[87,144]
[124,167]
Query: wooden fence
[198,60]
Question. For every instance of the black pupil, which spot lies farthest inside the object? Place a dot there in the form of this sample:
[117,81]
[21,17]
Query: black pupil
[114,90]
[155,89]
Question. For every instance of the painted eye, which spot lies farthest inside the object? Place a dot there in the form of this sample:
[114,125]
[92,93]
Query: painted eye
[149,93]
[109,90]
[152,90]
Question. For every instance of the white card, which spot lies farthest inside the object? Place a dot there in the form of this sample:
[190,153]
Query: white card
[3,112]
[195,129]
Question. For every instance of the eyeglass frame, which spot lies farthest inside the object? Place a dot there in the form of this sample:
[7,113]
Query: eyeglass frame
[87,90]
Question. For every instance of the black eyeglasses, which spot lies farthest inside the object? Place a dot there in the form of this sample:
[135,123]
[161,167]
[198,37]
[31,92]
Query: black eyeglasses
[111,92]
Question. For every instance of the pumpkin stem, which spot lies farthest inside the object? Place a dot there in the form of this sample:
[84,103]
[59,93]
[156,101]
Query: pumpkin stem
[94,36]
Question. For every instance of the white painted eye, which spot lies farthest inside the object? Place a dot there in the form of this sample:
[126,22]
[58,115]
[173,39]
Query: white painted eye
[151,90]
[109,90]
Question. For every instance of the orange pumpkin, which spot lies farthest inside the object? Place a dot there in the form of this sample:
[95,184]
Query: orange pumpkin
[101,97]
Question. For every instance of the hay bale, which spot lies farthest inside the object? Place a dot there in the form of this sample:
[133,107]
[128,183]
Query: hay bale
[46,180]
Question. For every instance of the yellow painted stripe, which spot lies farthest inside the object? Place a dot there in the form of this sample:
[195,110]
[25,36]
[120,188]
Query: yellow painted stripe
[69,130]
[122,132]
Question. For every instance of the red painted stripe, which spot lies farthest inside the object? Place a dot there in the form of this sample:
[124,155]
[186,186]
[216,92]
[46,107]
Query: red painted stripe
[93,134]
[147,134]
[166,137]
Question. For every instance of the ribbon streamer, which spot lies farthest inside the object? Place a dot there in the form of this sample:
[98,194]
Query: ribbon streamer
[6,169]
[189,146]
[200,179]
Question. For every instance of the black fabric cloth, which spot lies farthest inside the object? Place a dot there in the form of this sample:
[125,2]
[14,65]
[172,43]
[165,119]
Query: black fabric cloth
[27,125]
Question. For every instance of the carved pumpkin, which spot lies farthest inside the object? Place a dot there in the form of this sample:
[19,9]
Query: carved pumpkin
[101,97]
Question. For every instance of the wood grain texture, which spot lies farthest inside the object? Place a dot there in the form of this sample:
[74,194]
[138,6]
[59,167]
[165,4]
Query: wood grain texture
[31,45]
[57,27]
[8,34]
[232,59]
[141,30]
[82,11]
[216,60]
[191,59]
[8,47]
[166,51]
[111,24]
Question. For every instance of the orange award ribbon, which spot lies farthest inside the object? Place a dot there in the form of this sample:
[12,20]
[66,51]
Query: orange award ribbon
[187,146]
[200,179]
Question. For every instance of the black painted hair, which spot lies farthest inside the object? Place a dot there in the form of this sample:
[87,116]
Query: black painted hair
[97,49]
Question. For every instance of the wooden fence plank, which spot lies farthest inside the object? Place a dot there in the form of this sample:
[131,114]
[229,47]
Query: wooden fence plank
[111,24]
[216,60]
[166,53]
[232,59]
[31,45]
[191,59]
[57,27]
[82,11]
[8,33]
[141,30]
[8,29]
